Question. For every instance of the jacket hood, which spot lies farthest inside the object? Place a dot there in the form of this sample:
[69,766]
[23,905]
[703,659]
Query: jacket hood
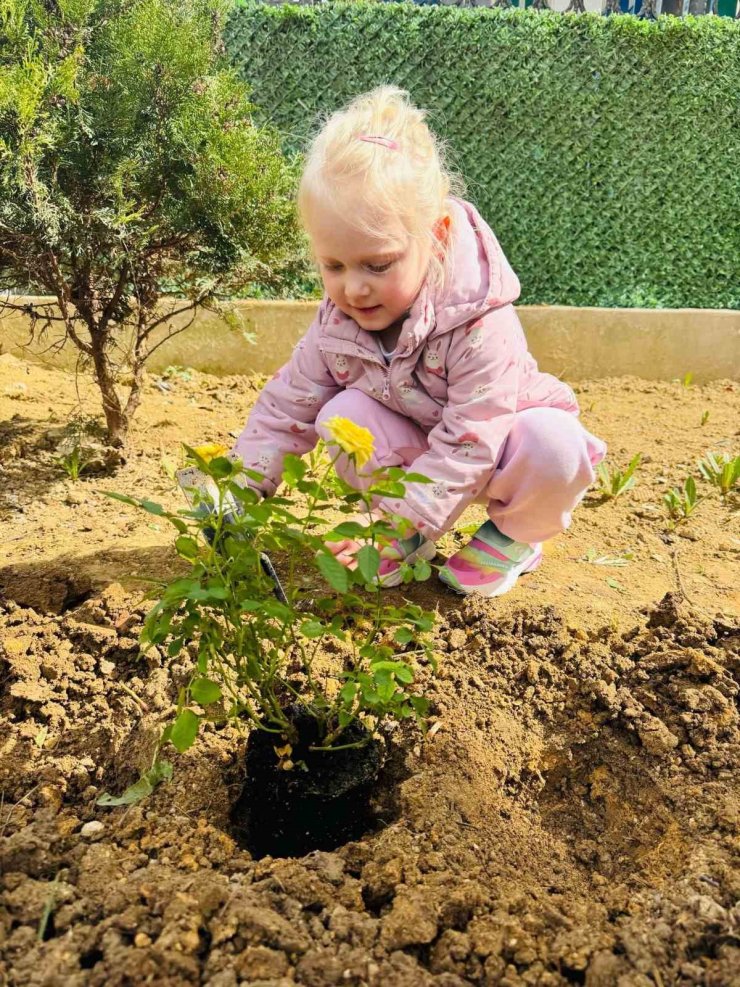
[480,279]
[480,276]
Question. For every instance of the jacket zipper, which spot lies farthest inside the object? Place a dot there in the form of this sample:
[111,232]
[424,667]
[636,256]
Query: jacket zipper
[386,383]
[371,358]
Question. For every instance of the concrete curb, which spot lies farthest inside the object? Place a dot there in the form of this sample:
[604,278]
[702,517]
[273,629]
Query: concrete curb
[575,343]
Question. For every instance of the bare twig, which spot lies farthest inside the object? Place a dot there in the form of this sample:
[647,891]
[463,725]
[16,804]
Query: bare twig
[682,588]
[171,335]
[15,806]
[129,691]
[190,307]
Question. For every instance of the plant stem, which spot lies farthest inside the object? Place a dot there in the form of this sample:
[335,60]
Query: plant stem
[343,747]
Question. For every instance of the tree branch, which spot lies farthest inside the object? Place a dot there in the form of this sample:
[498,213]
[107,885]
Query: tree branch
[62,294]
[114,299]
[31,311]
[191,306]
[169,336]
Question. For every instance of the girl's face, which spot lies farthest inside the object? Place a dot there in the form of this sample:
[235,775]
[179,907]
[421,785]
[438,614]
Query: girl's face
[371,280]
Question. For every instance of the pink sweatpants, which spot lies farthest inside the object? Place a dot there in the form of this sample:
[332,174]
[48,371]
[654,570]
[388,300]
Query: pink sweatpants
[545,467]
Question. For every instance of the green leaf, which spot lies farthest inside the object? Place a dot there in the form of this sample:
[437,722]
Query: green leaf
[336,629]
[404,673]
[294,469]
[245,495]
[348,692]
[186,547]
[185,730]
[311,488]
[422,570]
[221,467]
[312,628]
[368,562]
[389,489]
[276,609]
[421,706]
[122,497]
[254,475]
[205,691]
[160,771]
[152,508]
[175,647]
[333,571]
[417,478]
[403,635]
[348,529]
[216,590]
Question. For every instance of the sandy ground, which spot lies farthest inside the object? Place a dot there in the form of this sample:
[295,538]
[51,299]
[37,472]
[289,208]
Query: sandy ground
[574,819]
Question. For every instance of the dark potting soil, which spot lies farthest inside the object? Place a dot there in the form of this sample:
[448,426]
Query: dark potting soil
[319,807]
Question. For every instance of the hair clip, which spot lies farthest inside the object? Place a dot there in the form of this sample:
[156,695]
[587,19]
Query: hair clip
[385,141]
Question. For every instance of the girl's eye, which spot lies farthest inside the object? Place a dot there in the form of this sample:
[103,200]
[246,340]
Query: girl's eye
[379,268]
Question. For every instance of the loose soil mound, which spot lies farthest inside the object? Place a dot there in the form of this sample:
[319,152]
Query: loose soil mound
[573,817]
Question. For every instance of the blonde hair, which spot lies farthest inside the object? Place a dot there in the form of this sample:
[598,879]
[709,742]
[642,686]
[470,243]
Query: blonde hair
[407,182]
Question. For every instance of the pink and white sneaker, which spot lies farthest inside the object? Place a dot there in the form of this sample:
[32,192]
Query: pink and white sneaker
[490,563]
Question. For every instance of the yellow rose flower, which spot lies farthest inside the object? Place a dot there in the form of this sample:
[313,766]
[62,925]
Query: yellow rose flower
[353,439]
[211,450]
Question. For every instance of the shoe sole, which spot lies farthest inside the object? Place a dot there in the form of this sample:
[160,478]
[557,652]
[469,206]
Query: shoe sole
[427,550]
[501,587]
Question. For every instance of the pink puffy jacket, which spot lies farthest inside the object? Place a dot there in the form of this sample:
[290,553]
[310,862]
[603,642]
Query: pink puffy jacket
[461,371]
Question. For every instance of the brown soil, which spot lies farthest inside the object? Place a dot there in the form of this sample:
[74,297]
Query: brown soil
[574,816]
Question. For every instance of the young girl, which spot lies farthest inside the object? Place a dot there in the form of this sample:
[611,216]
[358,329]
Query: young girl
[417,340]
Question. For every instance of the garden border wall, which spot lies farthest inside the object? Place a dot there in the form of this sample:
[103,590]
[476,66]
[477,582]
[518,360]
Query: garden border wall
[575,343]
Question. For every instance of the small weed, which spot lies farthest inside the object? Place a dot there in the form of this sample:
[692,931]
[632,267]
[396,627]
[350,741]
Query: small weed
[174,370]
[681,502]
[81,448]
[705,417]
[613,560]
[614,484]
[73,462]
[721,470]
[613,584]
[48,909]
[687,379]
[169,467]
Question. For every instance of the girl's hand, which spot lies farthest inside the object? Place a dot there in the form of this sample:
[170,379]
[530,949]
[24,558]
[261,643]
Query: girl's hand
[390,549]
[345,551]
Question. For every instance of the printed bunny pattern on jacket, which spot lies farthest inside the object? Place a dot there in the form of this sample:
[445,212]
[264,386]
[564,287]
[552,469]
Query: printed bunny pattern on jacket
[461,371]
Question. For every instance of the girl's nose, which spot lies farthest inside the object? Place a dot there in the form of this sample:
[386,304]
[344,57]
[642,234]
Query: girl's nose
[355,288]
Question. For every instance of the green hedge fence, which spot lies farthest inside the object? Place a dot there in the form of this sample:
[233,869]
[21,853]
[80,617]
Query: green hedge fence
[605,152]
